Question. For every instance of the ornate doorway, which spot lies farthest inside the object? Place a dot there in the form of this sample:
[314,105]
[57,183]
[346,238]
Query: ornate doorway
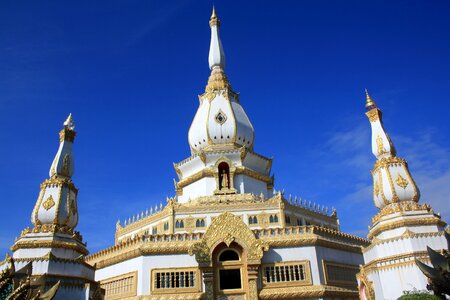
[230,272]
[229,255]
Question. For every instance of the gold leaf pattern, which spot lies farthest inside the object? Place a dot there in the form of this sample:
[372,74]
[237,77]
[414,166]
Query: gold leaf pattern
[401,182]
[49,203]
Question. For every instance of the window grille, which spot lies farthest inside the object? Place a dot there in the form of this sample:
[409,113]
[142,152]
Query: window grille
[288,272]
[119,287]
[177,279]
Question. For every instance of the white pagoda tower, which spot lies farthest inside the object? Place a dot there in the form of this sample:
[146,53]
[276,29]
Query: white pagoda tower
[402,229]
[53,247]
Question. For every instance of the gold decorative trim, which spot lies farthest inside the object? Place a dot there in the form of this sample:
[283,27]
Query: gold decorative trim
[401,182]
[313,291]
[394,261]
[54,228]
[369,292]
[374,231]
[380,182]
[416,195]
[183,243]
[49,203]
[407,234]
[228,228]
[49,244]
[391,184]
[400,207]
[373,115]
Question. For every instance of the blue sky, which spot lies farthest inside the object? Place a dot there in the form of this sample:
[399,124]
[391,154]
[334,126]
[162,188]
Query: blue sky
[130,72]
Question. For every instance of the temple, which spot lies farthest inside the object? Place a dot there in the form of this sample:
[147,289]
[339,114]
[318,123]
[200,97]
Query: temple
[226,233]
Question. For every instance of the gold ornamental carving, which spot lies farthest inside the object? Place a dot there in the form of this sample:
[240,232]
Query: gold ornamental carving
[228,228]
[373,115]
[400,207]
[365,286]
[49,203]
[380,145]
[401,182]
[376,189]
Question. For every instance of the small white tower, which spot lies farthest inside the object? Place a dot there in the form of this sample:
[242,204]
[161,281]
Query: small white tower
[402,229]
[54,248]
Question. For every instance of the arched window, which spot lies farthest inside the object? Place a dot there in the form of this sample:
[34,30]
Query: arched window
[177,224]
[200,223]
[250,220]
[228,255]
[255,220]
[224,176]
[273,219]
[181,224]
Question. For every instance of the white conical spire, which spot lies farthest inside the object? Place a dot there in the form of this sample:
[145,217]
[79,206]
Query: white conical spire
[57,201]
[63,164]
[216,55]
[381,143]
[392,181]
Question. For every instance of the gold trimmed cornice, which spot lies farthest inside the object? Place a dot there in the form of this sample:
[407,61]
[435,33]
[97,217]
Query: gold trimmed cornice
[395,261]
[49,244]
[51,257]
[407,234]
[400,207]
[313,291]
[377,229]
[53,228]
[181,243]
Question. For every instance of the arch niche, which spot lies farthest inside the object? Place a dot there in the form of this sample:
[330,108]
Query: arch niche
[228,232]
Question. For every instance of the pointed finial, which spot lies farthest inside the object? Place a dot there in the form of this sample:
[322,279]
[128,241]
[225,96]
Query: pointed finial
[214,20]
[69,124]
[370,104]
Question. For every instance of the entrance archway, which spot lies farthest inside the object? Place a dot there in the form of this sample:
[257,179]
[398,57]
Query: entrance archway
[228,232]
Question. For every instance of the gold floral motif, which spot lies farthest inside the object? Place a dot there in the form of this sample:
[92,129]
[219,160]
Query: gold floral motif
[401,182]
[49,203]
[376,189]
[373,115]
[380,145]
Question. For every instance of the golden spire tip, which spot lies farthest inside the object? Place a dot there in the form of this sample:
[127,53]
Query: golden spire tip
[214,20]
[370,104]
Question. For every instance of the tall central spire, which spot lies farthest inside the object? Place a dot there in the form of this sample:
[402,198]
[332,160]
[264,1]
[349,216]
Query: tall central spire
[216,55]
